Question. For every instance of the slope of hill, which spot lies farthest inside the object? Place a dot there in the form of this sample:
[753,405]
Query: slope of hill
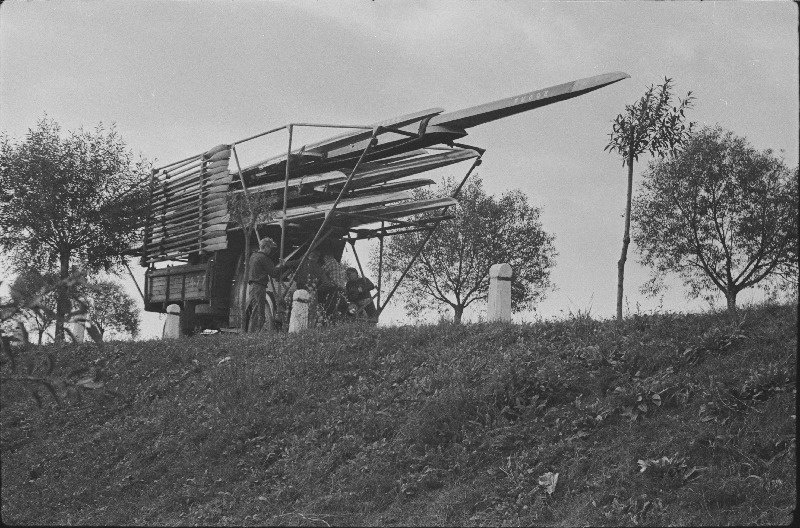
[664,420]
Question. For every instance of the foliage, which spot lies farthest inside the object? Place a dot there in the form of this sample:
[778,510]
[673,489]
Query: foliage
[109,307]
[28,284]
[74,198]
[652,124]
[14,348]
[721,214]
[453,268]
[484,424]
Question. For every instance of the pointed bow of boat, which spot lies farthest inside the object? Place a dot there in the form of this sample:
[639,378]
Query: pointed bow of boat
[478,115]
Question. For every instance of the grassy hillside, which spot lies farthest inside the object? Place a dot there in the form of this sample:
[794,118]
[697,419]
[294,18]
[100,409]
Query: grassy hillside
[665,420]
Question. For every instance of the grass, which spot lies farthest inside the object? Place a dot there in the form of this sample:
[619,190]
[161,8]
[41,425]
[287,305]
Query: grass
[663,420]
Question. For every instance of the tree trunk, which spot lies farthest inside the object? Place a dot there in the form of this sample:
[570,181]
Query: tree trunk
[245,279]
[62,302]
[730,296]
[626,239]
[458,312]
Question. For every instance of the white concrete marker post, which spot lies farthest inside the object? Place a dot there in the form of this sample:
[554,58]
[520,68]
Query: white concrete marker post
[172,326]
[499,302]
[299,318]
[78,331]
[20,333]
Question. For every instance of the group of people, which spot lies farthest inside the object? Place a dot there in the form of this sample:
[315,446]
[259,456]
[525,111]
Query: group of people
[338,292]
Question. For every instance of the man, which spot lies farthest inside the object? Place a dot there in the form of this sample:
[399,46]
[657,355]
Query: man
[334,283]
[261,269]
[358,289]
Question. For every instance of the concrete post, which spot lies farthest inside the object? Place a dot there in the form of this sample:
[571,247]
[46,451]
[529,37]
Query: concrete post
[499,301]
[172,326]
[299,319]
[78,331]
[20,333]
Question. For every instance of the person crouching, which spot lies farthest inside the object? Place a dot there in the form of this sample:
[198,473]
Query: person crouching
[357,291]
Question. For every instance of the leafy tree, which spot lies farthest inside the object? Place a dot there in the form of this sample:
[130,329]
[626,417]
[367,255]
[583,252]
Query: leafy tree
[720,214]
[453,269]
[73,198]
[110,307]
[38,373]
[28,284]
[651,125]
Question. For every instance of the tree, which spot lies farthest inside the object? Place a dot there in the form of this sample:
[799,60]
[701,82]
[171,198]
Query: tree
[453,269]
[74,198]
[248,210]
[720,214]
[28,284]
[651,125]
[110,307]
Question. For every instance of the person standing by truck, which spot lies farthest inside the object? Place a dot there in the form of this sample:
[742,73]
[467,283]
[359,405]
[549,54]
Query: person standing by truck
[261,269]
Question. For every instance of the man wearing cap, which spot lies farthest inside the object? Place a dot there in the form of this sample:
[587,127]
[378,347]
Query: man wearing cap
[261,269]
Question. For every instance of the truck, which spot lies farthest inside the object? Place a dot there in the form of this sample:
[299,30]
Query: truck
[350,187]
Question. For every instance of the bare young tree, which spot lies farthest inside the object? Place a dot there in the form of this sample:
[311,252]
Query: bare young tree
[652,124]
[248,210]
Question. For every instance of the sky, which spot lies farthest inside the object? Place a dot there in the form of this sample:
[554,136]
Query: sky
[178,78]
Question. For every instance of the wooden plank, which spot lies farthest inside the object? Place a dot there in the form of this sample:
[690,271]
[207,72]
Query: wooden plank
[188,185]
[184,247]
[183,198]
[211,200]
[176,215]
[170,230]
[177,164]
[173,201]
[175,270]
[194,178]
[182,216]
[189,168]
[187,231]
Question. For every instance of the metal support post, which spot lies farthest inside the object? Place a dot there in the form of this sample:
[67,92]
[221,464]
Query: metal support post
[353,245]
[429,235]
[380,263]
[330,213]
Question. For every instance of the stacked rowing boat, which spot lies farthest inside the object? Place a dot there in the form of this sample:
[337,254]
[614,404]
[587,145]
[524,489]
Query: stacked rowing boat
[188,211]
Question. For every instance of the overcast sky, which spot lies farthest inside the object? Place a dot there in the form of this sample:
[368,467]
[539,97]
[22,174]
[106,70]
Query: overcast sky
[180,77]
